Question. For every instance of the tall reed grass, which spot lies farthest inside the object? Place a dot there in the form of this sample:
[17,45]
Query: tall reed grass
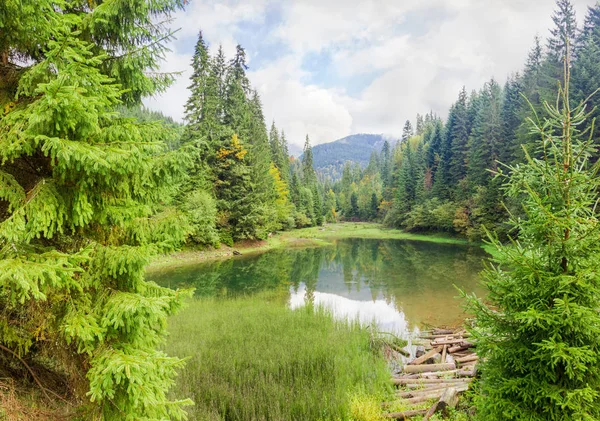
[255,359]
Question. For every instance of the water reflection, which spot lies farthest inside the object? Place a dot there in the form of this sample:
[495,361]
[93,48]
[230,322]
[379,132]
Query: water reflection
[379,312]
[402,284]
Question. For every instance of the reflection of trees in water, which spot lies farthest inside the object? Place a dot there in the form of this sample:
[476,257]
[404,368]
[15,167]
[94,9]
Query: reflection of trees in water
[306,267]
[397,270]
[233,276]
[393,268]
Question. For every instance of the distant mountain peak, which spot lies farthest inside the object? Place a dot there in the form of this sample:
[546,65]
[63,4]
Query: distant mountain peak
[330,158]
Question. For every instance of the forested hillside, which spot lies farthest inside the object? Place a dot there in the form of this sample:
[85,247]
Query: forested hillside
[442,175]
[331,157]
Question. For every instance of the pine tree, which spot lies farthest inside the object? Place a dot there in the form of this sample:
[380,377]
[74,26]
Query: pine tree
[374,208]
[539,339]
[407,183]
[259,152]
[308,170]
[531,85]
[285,164]
[279,151]
[354,210]
[194,108]
[457,132]
[486,136]
[239,213]
[386,164]
[565,28]
[511,120]
[237,114]
[407,131]
[295,190]
[586,74]
[80,188]
[564,32]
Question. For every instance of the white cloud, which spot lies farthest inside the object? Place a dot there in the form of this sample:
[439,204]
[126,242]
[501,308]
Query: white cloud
[298,108]
[424,51]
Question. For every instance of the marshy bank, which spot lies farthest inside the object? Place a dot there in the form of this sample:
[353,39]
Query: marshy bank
[256,359]
[259,350]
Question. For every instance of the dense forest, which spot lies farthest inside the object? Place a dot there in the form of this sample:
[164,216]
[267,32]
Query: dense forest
[441,176]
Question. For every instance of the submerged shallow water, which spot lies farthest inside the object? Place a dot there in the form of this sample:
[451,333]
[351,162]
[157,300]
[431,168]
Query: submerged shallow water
[400,285]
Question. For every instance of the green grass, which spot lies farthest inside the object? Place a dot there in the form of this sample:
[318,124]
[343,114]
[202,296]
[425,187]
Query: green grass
[369,230]
[255,359]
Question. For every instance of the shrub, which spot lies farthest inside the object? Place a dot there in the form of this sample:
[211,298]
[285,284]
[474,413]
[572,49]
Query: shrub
[201,210]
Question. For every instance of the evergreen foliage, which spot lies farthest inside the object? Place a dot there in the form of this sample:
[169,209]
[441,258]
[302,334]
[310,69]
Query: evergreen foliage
[86,198]
[539,337]
[441,177]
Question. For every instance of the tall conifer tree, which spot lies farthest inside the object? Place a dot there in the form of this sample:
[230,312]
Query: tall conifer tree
[80,187]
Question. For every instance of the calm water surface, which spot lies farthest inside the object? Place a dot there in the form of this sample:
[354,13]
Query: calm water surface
[400,285]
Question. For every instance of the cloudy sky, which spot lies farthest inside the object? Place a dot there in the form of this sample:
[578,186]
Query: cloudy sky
[330,68]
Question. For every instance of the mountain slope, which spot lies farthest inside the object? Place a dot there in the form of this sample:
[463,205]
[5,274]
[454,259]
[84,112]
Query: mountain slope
[329,158]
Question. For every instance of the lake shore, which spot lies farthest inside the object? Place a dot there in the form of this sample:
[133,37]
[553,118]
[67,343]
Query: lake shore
[304,237]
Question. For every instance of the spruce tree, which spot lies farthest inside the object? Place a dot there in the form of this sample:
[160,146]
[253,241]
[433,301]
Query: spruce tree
[80,187]
[194,107]
[531,88]
[540,337]
[308,170]
[386,164]
[407,182]
[565,27]
[486,135]
[259,153]
[511,120]
[285,164]
[586,72]
[457,132]
[407,131]
[420,125]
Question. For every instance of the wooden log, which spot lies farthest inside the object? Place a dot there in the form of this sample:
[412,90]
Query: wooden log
[406,414]
[461,347]
[461,387]
[442,341]
[428,367]
[431,411]
[468,358]
[452,336]
[436,394]
[436,373]
[465,373]
[444,350]
[430,381]
[421,386]
[442,332]
[425,357]
[448,401]
[450,359]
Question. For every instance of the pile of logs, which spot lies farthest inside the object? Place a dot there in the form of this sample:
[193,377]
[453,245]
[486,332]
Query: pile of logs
[444,367]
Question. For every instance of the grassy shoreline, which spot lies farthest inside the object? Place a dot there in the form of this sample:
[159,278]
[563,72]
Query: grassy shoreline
[304,237]
[254,358]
